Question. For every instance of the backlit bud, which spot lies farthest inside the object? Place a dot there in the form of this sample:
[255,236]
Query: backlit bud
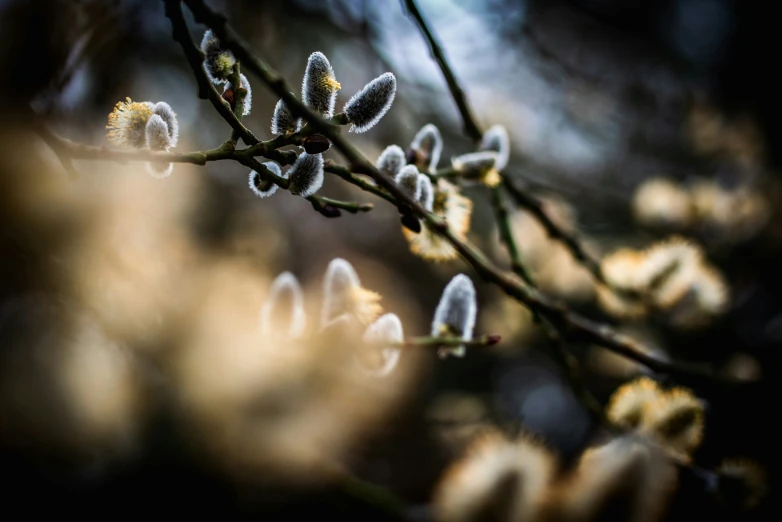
[496,139]
[343,294]
[478,165]
[371,103]
[426,192]
[156,132]
[218,62]
[455,314]
[283,311]
[264,188]
[426,148]
[320,86]
[380,357]
[391,160]
[168,115]
[283,121]
[306,175]
[408,180]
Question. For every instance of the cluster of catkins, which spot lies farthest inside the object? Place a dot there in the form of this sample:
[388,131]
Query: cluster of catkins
[135,125]
[724,215]
[672,277]
[319,93]
[414,170]
[346,304]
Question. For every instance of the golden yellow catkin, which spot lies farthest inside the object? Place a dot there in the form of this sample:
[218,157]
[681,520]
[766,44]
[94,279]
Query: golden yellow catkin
[675,419]
[628,405]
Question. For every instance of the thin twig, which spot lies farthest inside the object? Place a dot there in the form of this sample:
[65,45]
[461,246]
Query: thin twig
[471,128]
[438,342]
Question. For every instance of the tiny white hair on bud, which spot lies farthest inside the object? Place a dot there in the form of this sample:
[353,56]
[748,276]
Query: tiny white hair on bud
[391,160]
[338,284]
[319,87]
[429,141]
[283,121]
[168,115]
[475,164]
[306,175]
[258,184]
[455,314]
[371,103]
[218,62]
[387,329]
[248,98]
[156,133]
[408,180]
[285,283]
[496,139]
[426,195]
[159,170]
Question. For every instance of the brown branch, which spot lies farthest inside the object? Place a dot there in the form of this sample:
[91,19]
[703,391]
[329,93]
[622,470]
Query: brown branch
[471,128]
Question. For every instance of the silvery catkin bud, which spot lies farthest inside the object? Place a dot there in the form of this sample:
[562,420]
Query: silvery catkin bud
[496,139]
[247,105]
[426,196]
[156,133]
[478,165]
[168,115]
[371,103]
[157,138]
[261,187]
[391,160]
[426,148]
[285,286]
[338,286]
[218,62]
[306,175]
[320,86]
[408,180]
[455,314]
[382,335]
[283,121]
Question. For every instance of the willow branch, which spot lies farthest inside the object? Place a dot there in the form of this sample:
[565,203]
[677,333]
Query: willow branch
[471,128]
[574,326]
[502,215]
[438,342]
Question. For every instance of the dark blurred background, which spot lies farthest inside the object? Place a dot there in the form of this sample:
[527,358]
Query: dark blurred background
[597,96]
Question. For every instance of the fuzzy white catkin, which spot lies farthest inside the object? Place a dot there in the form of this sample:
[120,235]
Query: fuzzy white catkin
[255,180]
[475,164]
[283,121]
[248,98]
[285,283]
[340,280]
[306,175]
[386,329]
[168,115]
[391,160]
[408,180]
[156,133]
[429,140]
[218,62]
[319,87]
[370,104]
[426,192]
[456,312]
[496,139]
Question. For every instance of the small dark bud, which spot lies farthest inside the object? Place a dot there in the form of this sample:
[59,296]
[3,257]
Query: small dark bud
[411,223]
[411,156]
[328,211]
[316,144]
[230,97]
[405,210]
[493,339]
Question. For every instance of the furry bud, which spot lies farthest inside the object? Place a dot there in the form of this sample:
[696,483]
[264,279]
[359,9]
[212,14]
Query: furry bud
[248,97]
[306,175]
[159,169]
[426,192]
[168,115]
[218,62]
[320,86]
[391,160]
[290,322]
[371,103]
[343,294]
[408,180]
[283,121]
[386,330]
[156,133]
[261,187]
[496,139]
[455,314]
[426,148]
